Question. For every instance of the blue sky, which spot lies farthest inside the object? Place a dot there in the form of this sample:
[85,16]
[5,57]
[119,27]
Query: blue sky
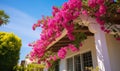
[23,14]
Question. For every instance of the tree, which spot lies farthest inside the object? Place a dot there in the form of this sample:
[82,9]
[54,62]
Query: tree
[9,51]
[3,18]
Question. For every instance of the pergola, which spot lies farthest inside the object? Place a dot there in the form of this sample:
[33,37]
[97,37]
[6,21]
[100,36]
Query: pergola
[90,27]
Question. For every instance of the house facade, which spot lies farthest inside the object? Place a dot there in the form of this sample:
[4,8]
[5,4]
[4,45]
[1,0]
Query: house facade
[91,56]
[98,51]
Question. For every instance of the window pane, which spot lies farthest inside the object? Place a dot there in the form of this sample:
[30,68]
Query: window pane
[87,61]
[70,64]
[77,63]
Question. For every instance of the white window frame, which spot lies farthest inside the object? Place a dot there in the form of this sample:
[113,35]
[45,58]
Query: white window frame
[81,60]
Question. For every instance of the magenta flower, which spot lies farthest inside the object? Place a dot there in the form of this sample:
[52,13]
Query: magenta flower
[29,44]
[62,53]
[39,61]
[74,4]
[72,48]
[102,28]
[107,31]
[92,3]
[34,26]
[48,64]
[102,9]
[65,6]
[70,36]
[97,14]
[84,12]
[100,2]
[55,10]
[101,22]
[54,58]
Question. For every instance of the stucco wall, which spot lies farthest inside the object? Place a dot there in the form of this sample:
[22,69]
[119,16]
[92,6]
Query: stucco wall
[88,45]
[114,52]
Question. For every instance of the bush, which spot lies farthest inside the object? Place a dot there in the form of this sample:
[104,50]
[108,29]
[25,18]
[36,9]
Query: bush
[9,51]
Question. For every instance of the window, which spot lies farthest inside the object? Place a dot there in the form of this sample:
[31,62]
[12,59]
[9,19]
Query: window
[80,62]
[77,63]
[87,61]
[70,64]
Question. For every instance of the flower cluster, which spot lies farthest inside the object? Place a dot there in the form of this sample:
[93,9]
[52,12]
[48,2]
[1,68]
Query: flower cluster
[105,12]
[53,26]
[62,18]
[61,54]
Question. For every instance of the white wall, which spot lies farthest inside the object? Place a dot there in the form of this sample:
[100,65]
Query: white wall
[88,45]
[114,52]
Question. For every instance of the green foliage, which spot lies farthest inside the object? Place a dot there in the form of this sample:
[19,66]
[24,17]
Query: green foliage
[37,67]
[19,68]
[9,51]
[30,67]
[55,66]
[79,37]
[3,18]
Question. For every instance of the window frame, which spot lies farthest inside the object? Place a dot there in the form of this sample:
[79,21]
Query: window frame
[81,60]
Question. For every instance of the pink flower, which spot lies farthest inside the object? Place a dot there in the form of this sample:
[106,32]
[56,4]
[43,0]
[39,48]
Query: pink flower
[31,59]
[74,4]
[84,12]
[54,58]
[34,26]
[107,31]
[62,53]
[39,61]
[101,22]
[58,34]
[29,44]
[39,51]
[66,15]
[65,6]
[100,2]
[48,64]
[70,28]
[72,47]
[70,36]
[102,28]
[92,3]
[102,9]
[51,57]
[38,23]
[55,10]
[97,14]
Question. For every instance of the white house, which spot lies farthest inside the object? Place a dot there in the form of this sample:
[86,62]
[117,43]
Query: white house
[99,50]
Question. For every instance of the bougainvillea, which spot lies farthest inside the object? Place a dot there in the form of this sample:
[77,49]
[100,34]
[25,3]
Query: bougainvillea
[62,18]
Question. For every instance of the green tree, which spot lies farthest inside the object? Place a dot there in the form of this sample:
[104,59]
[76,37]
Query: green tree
[9,51]
[3,18]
